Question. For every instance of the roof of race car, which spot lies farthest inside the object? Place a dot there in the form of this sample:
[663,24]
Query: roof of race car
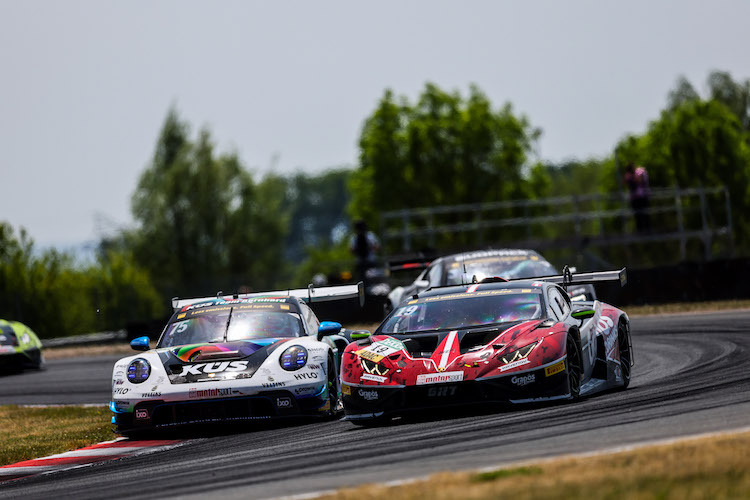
[480,254]
[275,303]
[480,289]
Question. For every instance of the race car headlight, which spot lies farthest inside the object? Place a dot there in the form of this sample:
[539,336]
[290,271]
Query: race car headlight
[373,368]
[517,354]
[138,371]
[293,358]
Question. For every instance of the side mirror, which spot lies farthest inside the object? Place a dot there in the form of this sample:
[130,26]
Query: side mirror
[359,334]
[140,344]
[422,284]
[583,313]
[328,328]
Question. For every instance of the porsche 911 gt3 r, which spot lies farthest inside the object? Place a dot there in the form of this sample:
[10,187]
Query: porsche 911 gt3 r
[233,358]
[19,347]
[493,341]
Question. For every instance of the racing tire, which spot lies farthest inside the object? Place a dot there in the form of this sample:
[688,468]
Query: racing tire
[626,356]
[334,398]
[574,366]
[372,422]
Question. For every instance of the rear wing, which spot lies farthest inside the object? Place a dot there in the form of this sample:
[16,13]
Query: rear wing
[568,278]
[308,295]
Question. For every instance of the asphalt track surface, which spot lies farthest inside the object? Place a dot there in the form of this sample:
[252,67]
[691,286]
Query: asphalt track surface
[692,375]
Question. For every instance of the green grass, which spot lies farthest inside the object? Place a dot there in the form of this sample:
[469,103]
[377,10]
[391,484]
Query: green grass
[716,467]
[28,433]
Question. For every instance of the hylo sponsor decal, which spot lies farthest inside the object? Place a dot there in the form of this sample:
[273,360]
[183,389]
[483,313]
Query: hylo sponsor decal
[306,376]
[556,368]
[521,380]
[437,378]
[120,390]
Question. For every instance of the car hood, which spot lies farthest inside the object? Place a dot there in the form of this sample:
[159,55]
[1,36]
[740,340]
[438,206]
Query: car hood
[217,361]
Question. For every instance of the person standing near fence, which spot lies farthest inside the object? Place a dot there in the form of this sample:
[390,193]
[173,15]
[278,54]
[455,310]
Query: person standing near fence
[363,245]
[636,178]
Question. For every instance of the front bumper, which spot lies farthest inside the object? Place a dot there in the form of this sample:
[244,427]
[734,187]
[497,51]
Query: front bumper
[375,401]
[159,414]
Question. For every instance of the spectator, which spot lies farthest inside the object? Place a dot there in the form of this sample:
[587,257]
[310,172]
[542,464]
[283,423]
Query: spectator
[363,245]
[636,178]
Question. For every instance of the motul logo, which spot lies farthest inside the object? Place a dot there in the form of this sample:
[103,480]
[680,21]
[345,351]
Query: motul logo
[218,367]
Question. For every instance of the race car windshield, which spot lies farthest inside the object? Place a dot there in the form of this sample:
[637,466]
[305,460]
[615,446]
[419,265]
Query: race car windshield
[231,326]
[508,268]
[462,310]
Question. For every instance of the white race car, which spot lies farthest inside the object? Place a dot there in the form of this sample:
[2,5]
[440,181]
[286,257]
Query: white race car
[234,358]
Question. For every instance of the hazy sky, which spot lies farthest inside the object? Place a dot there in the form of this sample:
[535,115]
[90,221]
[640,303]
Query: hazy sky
[86,85]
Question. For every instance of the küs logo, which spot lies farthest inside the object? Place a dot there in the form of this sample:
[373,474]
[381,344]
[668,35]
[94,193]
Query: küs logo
[523,380]
[223,366]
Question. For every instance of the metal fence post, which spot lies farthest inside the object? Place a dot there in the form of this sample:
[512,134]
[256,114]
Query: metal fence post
[680,224]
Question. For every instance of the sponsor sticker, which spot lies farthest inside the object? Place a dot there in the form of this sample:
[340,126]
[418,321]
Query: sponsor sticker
[346,390]
[514,364]
[273,384]
[201,368]
[522,380]
[306,376]
[441,391]
[380,349]
[439,378]
[283,402]
[368,395]
[373,378]
[141,414]
[299,391]
[120,390]
[368,355]
[150,394]
[194,393]
[556,368]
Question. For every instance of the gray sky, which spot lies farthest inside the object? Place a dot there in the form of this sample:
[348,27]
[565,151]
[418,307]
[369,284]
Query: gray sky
[86,85]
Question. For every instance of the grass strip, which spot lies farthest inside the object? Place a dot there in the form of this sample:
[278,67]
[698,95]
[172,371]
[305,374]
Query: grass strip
[28,433]
[686,307]
[715,467]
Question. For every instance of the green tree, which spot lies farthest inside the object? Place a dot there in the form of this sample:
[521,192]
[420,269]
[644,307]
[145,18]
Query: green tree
[443,149]
[56,297]
[203,223]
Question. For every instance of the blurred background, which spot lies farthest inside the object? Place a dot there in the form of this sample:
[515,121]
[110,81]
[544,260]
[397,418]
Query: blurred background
[178,149]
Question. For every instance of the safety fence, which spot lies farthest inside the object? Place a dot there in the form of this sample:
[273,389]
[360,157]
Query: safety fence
[685,217]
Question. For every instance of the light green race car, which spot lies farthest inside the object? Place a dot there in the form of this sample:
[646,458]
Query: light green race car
[19,347]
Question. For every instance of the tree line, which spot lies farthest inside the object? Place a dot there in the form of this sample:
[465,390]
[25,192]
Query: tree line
[204,222]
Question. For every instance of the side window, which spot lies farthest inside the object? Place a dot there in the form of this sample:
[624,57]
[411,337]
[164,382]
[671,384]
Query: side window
[311,321]
[434,275]
[559,303]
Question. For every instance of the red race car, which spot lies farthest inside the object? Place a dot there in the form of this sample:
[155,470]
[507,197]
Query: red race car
[492,341]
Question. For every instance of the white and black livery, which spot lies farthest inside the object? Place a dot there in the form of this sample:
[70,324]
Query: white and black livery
[234,358]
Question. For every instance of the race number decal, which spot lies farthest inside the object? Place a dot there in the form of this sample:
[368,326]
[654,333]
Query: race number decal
[381,349]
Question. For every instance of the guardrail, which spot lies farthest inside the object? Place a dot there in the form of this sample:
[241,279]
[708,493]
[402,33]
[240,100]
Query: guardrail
[87,339]
[576,222]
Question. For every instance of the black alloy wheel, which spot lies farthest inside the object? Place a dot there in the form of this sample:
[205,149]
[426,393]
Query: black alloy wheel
[575,368]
